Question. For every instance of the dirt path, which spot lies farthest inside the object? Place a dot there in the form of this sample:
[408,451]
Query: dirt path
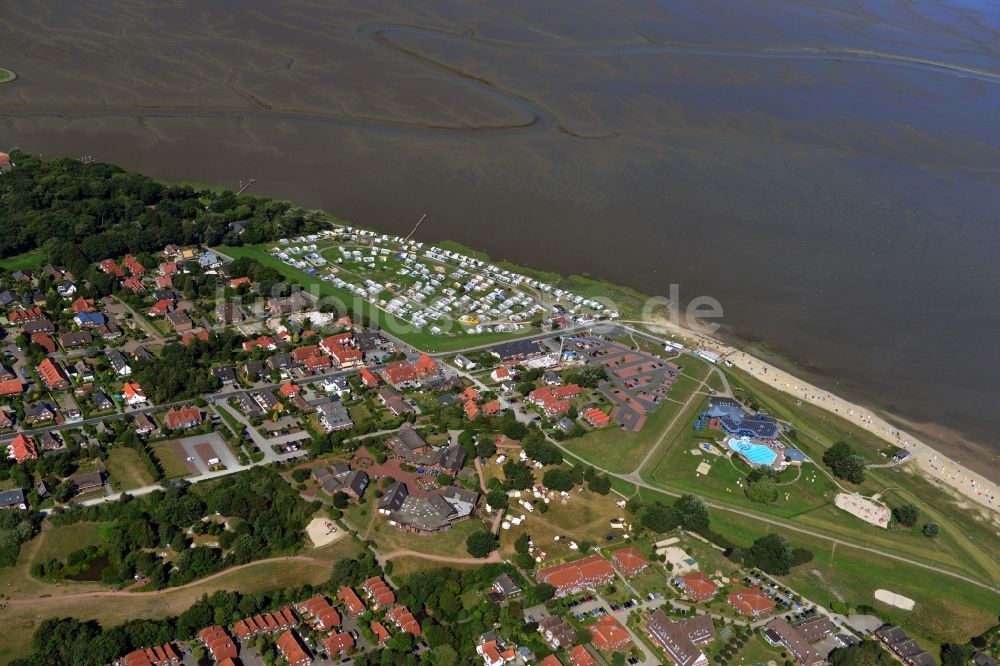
[59,598]
[494,557]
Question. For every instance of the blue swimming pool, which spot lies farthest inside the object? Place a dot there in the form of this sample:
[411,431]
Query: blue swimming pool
[758,454]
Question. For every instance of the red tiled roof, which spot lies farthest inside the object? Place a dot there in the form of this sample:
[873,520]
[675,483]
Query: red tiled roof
[469,394]
[379,592]
[350,599]
[218,642]
[325,614]
[239,282]
[608,634]
[133,283]
[425,366]
[550,660]
[289,389]
[587,571]
[190,336]
[20,316]
[580,657]
[698,586]
[629,560]
[367,378]
[45,341]
[182,416]
[471,410]
[596,417]
[751,601]
[291,647]
[399,372]
[82,304]
[381,635]
[11,386]
[302,353]
[52,376]
[404,619]
[338,643]
[492,407]
[133,265]
[23,448]
[314,362]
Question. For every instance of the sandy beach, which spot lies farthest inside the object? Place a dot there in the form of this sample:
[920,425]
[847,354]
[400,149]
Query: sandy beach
[933,465]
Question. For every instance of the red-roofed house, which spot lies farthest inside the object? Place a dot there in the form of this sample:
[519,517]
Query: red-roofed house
[82,305]
[164,282]
[579,656]
[352,603]
[289,390]
[379,593]
[302,353]
[368,379]
[492,407]
[163,655]
[596,417]
[45,341]
[133,394]
[469,394]
[133,266]
[751,602]
[609,635]
[23,448]
[698,586]
[629,561]
[425,366]
[168,268]
[162,307]
[337,644]
[572,577]
[324,616]
[550,660]
[133,284]
[264,342]
[24,316]
[492,656]
[218,643]
[501,374]
[318,362]
[381,635]
[471,410]
[236,283]
[110,267]
[183,417]
[191,336]
[11,387]
[404,620]
[292,649]
[400,374]
[52,375]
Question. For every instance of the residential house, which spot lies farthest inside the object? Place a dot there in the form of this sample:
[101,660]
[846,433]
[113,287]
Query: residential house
[368,380]
[44,341]
[557,632]
[218,643]
[86,481]
[133,266]
[11,387]
[52,375]
[337,386]
[608,635]
[517,350]
[338,644]
[229,313]
[779,633]
[319,612]
[180,321]
[352,604]
[183,417]
[189,337]
[133,394]
[267,400]
[394,402]
[40,411]
[404,620]
[698,586]
[13,499]
[82,305]
[253,370]
[379,593]
[381,634]
[681,639]
[119,363]
[101,401]
[164,655]
[903,646]
[265,623]
[339,477]
[505,588]
[144,425]
[333,416]
[22,448]
[91,319]
[38,326]
[225,374]
[393,498]
[573,577]
[426,515]
[629,561]
[751,602]
[579,656]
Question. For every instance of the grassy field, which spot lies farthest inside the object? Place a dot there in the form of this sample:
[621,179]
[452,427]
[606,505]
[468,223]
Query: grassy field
[54,543]
[20,621]
[387,538]
[947,609]
[405,566]
[234,426]
[621,451]
[127,469]
[420,339]
[173,465]
[28,261]
[5,74]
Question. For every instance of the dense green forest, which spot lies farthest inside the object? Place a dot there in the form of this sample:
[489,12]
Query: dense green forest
[82,213]
[265,517]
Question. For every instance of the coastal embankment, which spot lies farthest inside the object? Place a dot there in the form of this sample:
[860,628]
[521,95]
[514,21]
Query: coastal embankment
[967,484]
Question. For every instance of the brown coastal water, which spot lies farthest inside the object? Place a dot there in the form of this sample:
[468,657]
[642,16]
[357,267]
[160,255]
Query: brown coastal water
[829,171]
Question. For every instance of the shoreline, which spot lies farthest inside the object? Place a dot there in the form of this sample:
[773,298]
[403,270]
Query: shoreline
[935,466]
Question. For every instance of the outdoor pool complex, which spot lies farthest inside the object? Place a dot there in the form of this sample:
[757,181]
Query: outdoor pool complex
[758,454]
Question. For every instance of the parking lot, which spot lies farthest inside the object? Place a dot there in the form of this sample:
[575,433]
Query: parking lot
[200,449]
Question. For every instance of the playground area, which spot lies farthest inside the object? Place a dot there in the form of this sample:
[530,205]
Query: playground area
[323,532]
[868,509]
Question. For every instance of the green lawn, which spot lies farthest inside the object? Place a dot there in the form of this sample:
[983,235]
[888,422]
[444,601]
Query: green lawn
[387,538]
[127,469]
[5,74]
[234,426]
[28,261]
[173,465]
[621,451]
